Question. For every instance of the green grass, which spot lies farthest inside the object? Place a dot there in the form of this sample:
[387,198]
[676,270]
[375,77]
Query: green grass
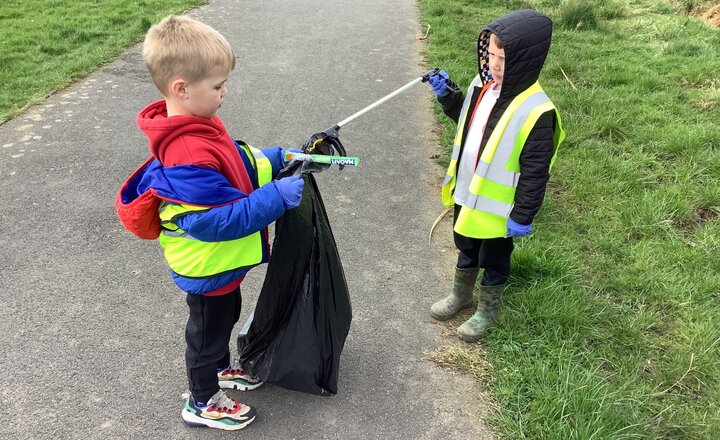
[610,328]
[46,44]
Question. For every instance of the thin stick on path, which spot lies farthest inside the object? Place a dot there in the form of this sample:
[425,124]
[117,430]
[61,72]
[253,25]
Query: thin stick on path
[437,221]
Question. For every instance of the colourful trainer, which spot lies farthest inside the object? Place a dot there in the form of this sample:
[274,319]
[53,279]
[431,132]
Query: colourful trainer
[235,378]
[221,412]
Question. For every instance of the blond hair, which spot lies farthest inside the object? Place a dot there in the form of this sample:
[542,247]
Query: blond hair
[181,47]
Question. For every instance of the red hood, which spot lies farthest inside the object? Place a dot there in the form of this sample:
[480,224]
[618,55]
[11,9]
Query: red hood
[193,140]
[161,131]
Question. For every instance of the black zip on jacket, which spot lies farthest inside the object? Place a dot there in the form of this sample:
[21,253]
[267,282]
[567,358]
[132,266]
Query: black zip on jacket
[525,36]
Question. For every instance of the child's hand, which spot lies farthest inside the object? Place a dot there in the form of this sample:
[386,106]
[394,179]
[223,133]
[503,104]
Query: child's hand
[515,229]
[290,189]
[438,83]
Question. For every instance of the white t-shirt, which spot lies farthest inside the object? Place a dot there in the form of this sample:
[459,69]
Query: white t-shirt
[469,158]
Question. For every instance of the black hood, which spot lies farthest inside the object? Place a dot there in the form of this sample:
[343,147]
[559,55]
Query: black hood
[525,35]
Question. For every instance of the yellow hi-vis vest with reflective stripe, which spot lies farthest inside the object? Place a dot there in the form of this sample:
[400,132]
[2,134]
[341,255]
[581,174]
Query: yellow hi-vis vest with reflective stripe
[190,257]
[492,188]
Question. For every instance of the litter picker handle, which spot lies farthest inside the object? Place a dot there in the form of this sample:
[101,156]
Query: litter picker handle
[322,158]
[426,76]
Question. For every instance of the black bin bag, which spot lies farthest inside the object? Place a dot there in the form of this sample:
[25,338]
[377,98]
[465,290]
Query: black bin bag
[303,313]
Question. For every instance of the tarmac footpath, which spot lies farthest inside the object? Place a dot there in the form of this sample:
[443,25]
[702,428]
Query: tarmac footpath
[92,326]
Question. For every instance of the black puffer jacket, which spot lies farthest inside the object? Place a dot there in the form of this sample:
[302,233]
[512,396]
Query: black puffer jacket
[525,35]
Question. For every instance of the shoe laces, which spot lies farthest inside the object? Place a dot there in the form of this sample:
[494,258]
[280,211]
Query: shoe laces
[236,368]
[222,402]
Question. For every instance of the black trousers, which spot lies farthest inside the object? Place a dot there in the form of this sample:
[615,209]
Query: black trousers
[491,254]
[207,334]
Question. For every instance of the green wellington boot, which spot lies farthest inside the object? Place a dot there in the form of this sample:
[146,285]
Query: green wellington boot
[461,296]
[488,309]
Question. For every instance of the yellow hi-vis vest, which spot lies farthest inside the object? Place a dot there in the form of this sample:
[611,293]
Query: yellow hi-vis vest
[190,257]
[492,188]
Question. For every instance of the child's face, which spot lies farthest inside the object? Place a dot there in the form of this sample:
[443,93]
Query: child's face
[496,60]
[205,97]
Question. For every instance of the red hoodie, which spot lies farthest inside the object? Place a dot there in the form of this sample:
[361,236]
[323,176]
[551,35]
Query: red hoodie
[194,140]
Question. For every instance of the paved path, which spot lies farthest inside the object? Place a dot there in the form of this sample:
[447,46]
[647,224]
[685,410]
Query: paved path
[92,328]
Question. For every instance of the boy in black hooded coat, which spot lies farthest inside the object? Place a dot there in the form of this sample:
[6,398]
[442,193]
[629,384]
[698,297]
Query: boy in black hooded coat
[507,139]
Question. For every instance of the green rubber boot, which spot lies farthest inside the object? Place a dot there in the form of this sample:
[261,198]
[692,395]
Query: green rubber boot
[488,309]
[461,296]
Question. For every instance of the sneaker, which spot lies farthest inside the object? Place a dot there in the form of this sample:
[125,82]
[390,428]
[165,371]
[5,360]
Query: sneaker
[235,378]
[221,412]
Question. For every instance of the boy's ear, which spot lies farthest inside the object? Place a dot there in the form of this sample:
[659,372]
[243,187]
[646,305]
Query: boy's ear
[178,88]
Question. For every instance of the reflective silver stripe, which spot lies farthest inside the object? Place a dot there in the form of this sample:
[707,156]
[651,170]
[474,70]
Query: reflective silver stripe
[183,234]
[482,168]
[447,180]
[506,145]
[504,177]
[476,82]
[257,154]
[468,97]
[455,152]
[480,203]
[174,233]
[461,119]
[498,175]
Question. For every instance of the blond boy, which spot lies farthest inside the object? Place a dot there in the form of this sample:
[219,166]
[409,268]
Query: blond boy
[208,200]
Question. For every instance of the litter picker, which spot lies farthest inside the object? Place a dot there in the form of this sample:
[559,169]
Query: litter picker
[327,143]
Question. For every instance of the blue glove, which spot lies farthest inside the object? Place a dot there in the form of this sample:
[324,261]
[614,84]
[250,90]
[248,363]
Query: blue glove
[438,83]
[290,189]
[515,229]
[292,150]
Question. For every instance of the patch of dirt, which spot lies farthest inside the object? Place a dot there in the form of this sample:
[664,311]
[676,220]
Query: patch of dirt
[713,15]
[690,9]
[706,213]
[700,216]
[707,105]
[556,188]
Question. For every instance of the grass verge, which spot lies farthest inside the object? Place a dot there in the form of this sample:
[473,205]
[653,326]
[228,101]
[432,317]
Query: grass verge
[46,44]
[611,323]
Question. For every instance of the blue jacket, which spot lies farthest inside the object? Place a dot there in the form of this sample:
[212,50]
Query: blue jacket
[232,214]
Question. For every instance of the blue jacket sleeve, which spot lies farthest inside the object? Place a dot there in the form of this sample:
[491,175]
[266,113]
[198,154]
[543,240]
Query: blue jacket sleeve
[236,220]
[274,154]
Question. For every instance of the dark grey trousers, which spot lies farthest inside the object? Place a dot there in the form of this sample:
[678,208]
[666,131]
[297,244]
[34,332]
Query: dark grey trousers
[491,254]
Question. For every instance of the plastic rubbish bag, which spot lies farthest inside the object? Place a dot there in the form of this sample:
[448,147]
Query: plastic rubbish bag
[303,313]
